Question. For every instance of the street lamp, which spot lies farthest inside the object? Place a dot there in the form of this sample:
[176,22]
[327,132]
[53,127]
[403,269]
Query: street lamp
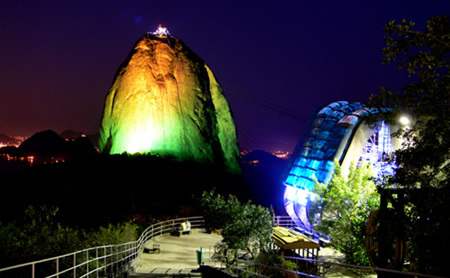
[404,120]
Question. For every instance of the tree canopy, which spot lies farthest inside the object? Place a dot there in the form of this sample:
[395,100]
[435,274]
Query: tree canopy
[244,226]
[423,161]
[346,203]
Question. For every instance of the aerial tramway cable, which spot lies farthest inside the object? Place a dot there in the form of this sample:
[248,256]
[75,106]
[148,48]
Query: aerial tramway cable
[264,104]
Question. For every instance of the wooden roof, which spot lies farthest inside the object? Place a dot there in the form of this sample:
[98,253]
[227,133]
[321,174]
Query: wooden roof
[289,239]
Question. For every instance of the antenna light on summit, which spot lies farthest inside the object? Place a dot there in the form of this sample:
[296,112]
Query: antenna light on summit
[161,31]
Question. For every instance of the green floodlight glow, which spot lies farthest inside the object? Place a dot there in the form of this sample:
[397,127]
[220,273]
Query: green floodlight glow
[140,137]
[139,129]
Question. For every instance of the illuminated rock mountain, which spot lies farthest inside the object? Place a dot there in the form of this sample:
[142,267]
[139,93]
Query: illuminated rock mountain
[165,100]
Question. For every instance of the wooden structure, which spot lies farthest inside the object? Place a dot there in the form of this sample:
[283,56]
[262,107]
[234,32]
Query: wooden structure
[299,244]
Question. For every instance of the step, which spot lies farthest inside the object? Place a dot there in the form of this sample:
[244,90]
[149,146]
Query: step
[167,272]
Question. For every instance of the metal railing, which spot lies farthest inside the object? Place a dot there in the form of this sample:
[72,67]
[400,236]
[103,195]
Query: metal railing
[320,269]
[96,260]
[324,267]
[284,221]
[110,260]
[167,226]
[100,261]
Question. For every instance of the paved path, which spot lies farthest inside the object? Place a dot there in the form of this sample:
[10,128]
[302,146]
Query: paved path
[178,254]
[330,255]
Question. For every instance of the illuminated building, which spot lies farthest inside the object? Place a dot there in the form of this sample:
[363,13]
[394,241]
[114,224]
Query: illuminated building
[338,132]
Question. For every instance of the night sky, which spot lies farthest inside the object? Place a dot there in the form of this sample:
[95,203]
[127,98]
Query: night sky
[278,61]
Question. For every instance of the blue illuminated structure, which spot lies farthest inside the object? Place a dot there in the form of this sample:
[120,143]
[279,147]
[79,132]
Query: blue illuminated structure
[328,139]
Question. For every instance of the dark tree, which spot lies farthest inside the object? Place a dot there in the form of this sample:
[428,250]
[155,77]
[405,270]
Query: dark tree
[245,227]
[424,159]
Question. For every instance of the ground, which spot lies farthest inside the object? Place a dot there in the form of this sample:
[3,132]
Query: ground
[177,253]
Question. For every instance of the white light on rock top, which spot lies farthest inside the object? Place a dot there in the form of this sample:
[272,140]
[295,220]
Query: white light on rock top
[161,31]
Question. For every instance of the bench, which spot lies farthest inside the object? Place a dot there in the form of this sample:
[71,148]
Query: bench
[156,249]
[185,229]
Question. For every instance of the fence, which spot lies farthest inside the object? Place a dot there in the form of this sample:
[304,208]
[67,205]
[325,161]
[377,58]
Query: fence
[100,261]
[252,269]
[361,271]
[111,260]
[84,263]
[284,221]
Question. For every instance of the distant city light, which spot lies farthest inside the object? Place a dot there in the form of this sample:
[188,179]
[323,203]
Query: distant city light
[282,154]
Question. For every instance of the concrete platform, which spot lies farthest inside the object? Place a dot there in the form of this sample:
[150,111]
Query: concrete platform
[177,256]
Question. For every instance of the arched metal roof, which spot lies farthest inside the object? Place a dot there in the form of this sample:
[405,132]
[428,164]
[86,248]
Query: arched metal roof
[327,140]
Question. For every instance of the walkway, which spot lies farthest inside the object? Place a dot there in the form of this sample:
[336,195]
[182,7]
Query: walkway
[178,254]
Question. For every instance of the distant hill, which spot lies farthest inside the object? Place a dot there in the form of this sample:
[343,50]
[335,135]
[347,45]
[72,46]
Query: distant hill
[262,156]
[47,144]
[73,134]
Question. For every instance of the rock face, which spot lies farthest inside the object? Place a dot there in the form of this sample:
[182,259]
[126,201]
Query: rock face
[165,100]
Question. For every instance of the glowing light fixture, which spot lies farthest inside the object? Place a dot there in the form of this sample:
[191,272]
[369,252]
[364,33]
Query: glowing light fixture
[161,31]
[297,195]
[377,148]
[404,120]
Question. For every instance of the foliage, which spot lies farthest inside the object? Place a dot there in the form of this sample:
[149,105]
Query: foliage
[271,265]
[346,203]
[424,159]
[244,226]
[113,234]
[9,238]
[40,235]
